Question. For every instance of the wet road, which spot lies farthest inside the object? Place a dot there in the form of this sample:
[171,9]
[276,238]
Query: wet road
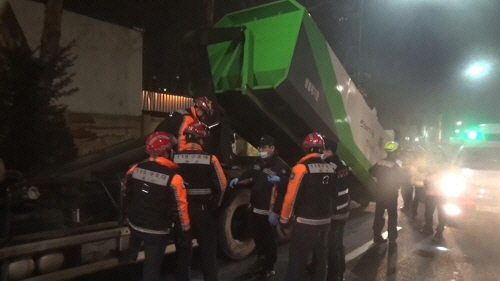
[469,252]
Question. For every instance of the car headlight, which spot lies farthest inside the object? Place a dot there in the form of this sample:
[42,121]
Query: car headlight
[452,185]
[451,209]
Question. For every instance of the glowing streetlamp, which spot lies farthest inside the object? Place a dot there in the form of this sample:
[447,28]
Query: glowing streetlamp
[477,70]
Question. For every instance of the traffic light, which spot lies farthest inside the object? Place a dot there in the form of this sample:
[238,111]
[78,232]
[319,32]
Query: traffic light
[472,135]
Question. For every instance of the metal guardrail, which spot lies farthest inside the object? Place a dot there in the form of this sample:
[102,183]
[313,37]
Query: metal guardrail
[154,102]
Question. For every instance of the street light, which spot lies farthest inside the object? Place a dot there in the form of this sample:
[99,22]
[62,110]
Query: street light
[459,123]
[477,70]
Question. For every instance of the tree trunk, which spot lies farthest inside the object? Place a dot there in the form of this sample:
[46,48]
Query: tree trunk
[52,29]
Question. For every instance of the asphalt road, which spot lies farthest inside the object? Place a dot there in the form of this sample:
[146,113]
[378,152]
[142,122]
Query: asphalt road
[468,252]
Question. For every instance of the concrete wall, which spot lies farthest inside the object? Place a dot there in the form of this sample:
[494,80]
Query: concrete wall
[108,68]
[93,131]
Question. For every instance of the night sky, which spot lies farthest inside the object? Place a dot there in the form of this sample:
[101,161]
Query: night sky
[413,60]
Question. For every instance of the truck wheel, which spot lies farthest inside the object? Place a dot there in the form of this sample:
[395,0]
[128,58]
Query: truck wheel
[235,238]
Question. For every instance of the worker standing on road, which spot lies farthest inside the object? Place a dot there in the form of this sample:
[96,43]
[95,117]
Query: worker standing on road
[407,190]
[418,178]
[309,199]
[178,121]
[435,200]
[269,179]
[390,177]
[336,252]
[205,185]
[156,200]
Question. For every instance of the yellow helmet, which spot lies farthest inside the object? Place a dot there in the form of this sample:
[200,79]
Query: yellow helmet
[391,146]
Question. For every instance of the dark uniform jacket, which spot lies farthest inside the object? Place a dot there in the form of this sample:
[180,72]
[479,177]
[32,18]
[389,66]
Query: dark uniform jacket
[156,197]
[390,177]
[267,196]
[311,191]
[203,174]
[342,173]
[176,123]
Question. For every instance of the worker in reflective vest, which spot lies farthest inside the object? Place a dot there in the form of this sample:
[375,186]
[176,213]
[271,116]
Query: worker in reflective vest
[205,185]
[309,199]
[155,199]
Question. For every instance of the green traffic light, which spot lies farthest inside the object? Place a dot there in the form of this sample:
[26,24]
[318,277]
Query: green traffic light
[472,135]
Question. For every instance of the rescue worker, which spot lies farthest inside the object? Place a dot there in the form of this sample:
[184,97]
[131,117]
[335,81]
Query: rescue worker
[407,190]
[418,168]
[269,178]
[390,177]
[156,200]
[336,252]
[178,121]
[309,199]
[435,199]
[205,185]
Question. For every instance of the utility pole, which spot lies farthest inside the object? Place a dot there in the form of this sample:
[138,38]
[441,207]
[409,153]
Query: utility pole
[440,128]
[359,40]
[51,29]
[209,13]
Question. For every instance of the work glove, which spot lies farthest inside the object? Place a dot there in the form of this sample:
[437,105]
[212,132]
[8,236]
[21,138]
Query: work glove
[273,218]
[33,193]
[283,225]
[233,182]
[273,179]
[184,239]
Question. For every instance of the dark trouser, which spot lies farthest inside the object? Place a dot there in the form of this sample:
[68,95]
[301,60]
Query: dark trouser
[307,239]
[183,247]
[407,194]
[264,237]
[336,252]
[431,203]
[204,230]
[391,204]
[419,195]
[154,249]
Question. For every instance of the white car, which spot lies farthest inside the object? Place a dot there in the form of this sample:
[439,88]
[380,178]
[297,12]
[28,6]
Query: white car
[473,182]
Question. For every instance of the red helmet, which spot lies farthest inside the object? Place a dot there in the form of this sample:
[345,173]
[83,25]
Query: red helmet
[159,143]
[204,104]
[313,140]
[197,129]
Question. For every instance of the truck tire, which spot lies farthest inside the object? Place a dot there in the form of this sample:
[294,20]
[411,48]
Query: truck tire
[235,238]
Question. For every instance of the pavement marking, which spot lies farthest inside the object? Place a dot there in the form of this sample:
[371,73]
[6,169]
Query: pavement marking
[359,251]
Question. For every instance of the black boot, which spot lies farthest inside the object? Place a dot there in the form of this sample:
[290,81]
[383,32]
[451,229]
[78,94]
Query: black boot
[426,230]
[256,267]
[379,239]
[266,274]
[438,236]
